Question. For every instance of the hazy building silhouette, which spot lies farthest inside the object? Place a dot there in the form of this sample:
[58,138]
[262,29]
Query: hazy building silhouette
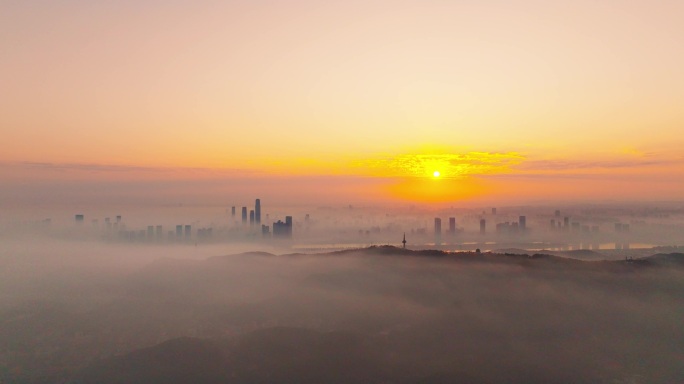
[251,217]
[265,230]
[150,232]
[244,215]
[493,211]
[283,229]
[179,232]
[566,222]
[403,242]
[452,225]
[232,211]
[188,232]
[438,230]
[257,211]
[557,213]
[522,221]
[159,232]
[483,226]
[79,219]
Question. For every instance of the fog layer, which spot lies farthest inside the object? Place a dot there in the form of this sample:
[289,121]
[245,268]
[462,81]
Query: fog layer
[374,315]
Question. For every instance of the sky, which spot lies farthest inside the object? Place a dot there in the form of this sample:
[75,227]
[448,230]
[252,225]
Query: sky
[357,100]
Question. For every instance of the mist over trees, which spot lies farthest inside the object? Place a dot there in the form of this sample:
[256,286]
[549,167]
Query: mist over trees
[81,313]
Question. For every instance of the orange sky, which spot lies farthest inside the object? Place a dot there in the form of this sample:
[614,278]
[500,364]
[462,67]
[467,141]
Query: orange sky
[504,98]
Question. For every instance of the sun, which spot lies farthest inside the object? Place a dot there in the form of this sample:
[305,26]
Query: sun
[435,173]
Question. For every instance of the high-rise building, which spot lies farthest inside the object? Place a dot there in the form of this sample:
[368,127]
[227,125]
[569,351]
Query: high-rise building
[483,226]
[265,230]
[438,230]
[188,232]
[158,232]
[179,232]
[522,223]
[566,222]
[493,211]
[79,219]
[452,225]
[257,211]
[150,232]
[283,230]
[251,217]
[244,215]
[557,213]
[232,211]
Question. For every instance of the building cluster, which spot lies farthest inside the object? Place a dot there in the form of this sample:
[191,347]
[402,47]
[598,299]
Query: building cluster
[251,220]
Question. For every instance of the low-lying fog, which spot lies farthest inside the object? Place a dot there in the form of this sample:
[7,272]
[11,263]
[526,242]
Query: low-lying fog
[67,308]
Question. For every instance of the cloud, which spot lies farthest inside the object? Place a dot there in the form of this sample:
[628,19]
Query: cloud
[450,165]
[108,169]
[569,165]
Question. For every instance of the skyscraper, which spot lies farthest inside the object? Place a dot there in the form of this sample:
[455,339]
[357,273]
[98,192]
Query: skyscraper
[257,211]
[283,230]
[232,211]
[438,230]
[483,225]
[244,215]
[251,217]
[452,225]
[522,220]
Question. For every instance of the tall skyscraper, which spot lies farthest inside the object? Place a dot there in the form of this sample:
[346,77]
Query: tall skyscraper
[483,226]
[251,217]
[232,211]
[438,226]
[522,221]
[244,215]
[188,232]
[452,225]
[257,211]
